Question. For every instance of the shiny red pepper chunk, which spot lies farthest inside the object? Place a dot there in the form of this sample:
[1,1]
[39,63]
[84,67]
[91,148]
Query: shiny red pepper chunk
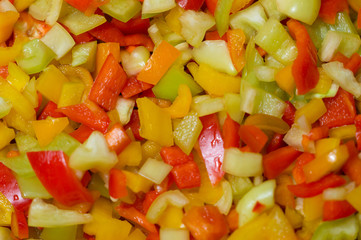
[51,167]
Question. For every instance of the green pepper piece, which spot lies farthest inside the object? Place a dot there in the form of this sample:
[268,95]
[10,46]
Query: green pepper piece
[123,10]
[340,229]
[222,15]
[19,165]
[59,233]
[167,87]
[35,56]
[31,187]
[96,183]
[63,142]
[26,143]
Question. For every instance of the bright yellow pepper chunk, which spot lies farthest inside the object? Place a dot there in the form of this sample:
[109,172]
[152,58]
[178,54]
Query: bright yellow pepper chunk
[46,130]
[137,183]
[7,21]
[131,155]
[21,5]
[285,80]
[8,54]
[181,104]
[354,198]
[326,145]
[216,83]
[324,82]
[6,210]
[71,94]
[343,132]
[50,83]
[15,120]
[137,234]
[17,77]
[171,218]
[20,104]
[6,135]
[155,122]
[313,110]
[313,207]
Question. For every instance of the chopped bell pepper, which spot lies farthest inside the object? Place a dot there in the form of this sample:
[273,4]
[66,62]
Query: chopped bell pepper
[61,184]
[7,21]
[345,228]
[46,130]
[254,137]
[19,225]
[117,184]
[6,211]
[333,209]
[132,214]
[190,4]
[211,147]
[329,10]
[181,105]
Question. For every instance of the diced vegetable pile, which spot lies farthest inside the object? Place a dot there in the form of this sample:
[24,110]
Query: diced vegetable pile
[180,119]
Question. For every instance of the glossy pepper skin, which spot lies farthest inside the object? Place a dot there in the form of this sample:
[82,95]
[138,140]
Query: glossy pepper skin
[51,167]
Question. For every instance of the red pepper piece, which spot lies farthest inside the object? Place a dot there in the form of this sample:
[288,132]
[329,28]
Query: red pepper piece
[174,156]
[134,25]
[50,110]
[117,184]
[330,8]
[259,207]
[4,72]
[190,4]
[133,87]
[301,161]
[276,142]
[132,214]
[230,133]
[254,137]
[306,190]
[107,32]
[352,167]
[339,57]
[117,138]
[10,188]
[134,125]
[153,236]
[108,84]
[149,198]
[211,147]
[85,180]
[359,19]
[333,210]
[51,167]
[40,100]
[354,63]
[138,39]
[206,222]
[87,6]
[318,133]
[82,133]
[274,163]
[358,131]
[211,5]
[304,68]
[82,38]
[214,35]
[340,110]
[19,225]
[289,114]
[90,115]
[186,175]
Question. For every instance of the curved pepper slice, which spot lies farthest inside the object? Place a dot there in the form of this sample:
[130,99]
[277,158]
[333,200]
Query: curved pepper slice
[181,104]
[51,167]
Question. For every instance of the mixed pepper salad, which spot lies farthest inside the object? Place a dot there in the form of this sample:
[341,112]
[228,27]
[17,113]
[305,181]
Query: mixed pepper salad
[180,119]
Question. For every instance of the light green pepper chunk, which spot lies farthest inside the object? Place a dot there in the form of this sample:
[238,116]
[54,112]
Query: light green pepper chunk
[31,187]
[123,10]
[222,15]
[340,229]
[59,233]
[84,55]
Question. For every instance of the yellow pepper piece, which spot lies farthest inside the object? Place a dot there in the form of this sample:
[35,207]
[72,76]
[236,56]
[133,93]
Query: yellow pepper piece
[354,198]
[343,132]
[6,135]
[294,217]
[151,149]
[137,234]
[285,80]
[326,145]
[238,5]
[15,120]
[102,209]
[155,122]
[313,110]
[355,4]
[7,21]
[20,104]
[17,77]
[171,218]
[324,82]
[137,183]
[71,94]
[325,164]
[6,209]
[131,155]
[8,54]
[78,74]
[172,19]
[267,122]
[181,104]
[30,93]
[216,83]
[50,83]
[21,5]
[46,130]
[313,207]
